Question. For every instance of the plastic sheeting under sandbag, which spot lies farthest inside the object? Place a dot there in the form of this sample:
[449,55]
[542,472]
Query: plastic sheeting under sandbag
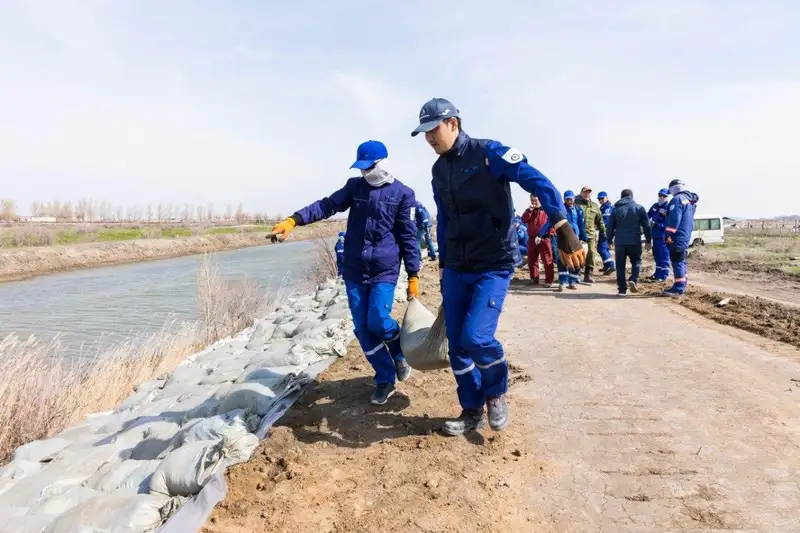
[132,476]
[186,470]
[115,513]
[423,338]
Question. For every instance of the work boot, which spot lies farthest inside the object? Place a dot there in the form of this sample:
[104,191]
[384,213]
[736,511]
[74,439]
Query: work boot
[673,291]
[609,270]
[403,369]
[632,286]
[498,412]
[587,277]
[382,393]
[469,420]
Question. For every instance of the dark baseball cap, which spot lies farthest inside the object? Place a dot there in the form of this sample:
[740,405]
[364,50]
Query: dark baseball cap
[433,113]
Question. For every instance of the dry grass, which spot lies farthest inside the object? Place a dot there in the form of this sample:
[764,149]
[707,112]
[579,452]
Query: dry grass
[43,393]
[323,264]
[751,253]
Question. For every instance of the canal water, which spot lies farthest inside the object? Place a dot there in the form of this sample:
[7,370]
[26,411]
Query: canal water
[93,308]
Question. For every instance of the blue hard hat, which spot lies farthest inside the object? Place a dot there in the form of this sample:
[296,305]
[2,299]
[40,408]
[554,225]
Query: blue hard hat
[369,153]
[569,194]
[432,113]
[663,192]
[601,195]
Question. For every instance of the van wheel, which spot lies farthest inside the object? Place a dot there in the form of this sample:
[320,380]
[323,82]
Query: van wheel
[698,242]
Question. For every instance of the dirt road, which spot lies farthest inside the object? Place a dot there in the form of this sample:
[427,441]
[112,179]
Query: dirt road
[629,415]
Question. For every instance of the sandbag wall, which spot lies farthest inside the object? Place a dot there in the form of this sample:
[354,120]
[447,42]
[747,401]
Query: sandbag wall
[131,469]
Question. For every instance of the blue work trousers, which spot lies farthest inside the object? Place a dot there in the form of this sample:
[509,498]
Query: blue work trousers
[339,263]
[472,304]
[377,332]
[605,253]
[677,256]
[661,257]
[424,238]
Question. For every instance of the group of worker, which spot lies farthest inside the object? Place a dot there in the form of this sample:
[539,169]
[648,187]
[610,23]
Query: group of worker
[477,253]
[666,228]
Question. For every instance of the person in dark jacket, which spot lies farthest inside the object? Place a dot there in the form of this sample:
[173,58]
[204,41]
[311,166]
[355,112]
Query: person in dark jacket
[602,244]
[522,241]
[627,223]
[569,277]
[539,243]
[680,223]
[593,217]
[380,233]
[658,221]
[472,190]
[423,220]
[339,249]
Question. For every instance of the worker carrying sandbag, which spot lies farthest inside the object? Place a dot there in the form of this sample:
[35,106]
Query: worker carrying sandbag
[380,232]
[423,338]
[471,188]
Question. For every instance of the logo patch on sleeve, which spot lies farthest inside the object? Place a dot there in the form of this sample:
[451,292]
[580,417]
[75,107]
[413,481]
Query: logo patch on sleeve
[513,155]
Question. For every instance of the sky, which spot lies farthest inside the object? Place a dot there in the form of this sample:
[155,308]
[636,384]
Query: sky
[265,102]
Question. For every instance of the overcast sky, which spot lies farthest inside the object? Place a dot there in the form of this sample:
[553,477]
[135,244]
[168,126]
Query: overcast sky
[264,102]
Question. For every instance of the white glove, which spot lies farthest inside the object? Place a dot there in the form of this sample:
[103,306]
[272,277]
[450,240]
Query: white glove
[537,240]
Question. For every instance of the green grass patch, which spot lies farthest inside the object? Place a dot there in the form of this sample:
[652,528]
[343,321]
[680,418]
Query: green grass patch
[222,230]
[71,237]
[176,232]
[110,235]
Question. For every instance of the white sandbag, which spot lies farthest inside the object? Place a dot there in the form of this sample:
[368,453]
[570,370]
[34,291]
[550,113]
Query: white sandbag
[156,438]
[187,374]
[131,476]
[12,512]
[58,504]
[249,395]
[338,311]
[135,400]
[87,461]
[25,524]
[149,386]
[423,338]
[20,468]
[41,450]
[273,373]
[113,513]
[184,471]
[47,483]
[219,377]
[233,424]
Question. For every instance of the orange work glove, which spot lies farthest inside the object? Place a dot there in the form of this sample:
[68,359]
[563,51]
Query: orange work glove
[570,249]
[284,228]
[413,287]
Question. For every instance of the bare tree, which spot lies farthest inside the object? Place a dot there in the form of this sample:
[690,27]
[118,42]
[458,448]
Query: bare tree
[67,212]
[228,211]
[7,211]
[160,212]
[210,212]
[241,216]
[149,212]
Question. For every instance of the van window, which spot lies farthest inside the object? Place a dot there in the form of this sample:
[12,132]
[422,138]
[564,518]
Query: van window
[715,224]
[702,224]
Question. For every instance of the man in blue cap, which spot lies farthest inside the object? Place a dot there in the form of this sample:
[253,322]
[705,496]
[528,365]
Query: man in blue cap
[339,249]
[471,188]
[606,207]
[680,223]
[658,221]
[380,233]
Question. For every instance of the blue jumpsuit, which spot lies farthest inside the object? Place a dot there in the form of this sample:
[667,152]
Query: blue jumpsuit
[658,221]
[339,249]
[680,223]
[575,218]
[471,187]
[602,243]
[380,233]
[423,221]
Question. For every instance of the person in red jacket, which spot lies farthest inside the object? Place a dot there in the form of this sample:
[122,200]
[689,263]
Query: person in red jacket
[539,229]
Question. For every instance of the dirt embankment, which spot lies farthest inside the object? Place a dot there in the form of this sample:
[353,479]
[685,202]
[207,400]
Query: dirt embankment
[23,263]
[335,463]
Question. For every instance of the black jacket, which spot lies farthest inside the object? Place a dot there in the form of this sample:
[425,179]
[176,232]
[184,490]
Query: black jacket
[627,223]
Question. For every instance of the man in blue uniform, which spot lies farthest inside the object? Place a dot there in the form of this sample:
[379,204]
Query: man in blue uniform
[680,222]
[569,277]
[423,220]
[471,188]
[380,233]
[339,249]
[658,221]
[606,207]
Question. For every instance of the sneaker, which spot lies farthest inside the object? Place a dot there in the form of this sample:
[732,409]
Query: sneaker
[498,412]
[548,285]
[469,420]
[560,287]
[632,286]
[572,287]
[533,282]
[609,270]
[672,291]
[382,393]
[403,369]
[622,294]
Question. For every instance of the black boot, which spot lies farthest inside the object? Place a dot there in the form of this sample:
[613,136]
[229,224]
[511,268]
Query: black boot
[469,420]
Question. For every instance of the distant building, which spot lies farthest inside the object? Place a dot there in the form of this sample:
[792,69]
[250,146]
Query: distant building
[46,220]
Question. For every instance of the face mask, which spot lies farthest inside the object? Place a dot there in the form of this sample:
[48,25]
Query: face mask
[675,189]
[378,175]
[661,201]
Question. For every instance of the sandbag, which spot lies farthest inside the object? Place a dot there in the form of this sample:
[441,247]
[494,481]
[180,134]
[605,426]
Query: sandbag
[248,395]
[35,488]
[423,338]
[41,450]
[61,503]
[20,468]
[131,476]
[234,424]
[155,439]
[24,524]
[114,513]
[186,470]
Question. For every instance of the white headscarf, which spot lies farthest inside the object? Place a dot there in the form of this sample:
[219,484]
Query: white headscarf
[378,175]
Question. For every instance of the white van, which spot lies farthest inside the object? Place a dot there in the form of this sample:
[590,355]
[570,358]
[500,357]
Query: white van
[708,229]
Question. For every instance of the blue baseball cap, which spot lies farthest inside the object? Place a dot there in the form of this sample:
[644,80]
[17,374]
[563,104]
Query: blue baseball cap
[369,153]
[601,195]
[569,194]
[663,192]
[432,113]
